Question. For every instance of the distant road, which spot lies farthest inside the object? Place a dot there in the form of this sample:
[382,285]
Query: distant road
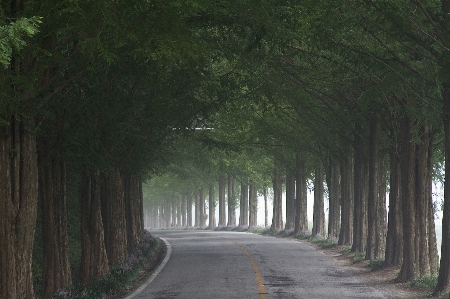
[211,265]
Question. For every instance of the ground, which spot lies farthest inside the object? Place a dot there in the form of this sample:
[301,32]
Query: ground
[381,279]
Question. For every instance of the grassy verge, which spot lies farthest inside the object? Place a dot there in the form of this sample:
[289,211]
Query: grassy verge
[121,277]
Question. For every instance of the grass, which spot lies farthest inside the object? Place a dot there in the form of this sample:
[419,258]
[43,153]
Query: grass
[376,264]
[346,249]
[359,256]
[119,278]
[427,282]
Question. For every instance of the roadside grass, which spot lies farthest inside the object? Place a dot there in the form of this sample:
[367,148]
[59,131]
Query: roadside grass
[377,264]
[121,276]
[359,256]
[346,249]
[427,282]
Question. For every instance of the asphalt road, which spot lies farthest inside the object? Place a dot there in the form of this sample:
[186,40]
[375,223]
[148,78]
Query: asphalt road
[207,264]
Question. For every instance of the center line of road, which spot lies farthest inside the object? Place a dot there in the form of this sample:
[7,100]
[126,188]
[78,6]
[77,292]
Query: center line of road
[259,279]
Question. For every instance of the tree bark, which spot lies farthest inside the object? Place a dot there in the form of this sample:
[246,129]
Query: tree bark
[334,199]
[18,207]
[202,214]
[114,218]
[94,260]
[374,245]
[266,209]
[253,205]
[56,273]
[212,207]
[290,200]
[134,209]
[423,184]
[183,211]
[347,201]
[409,268]
[277,218]
[318,229]
[198,209]
[394,238]
[243,218]
[178,205]
[173,208]
[189,209]
[222,212]
[301,196]
[361,181]
[231,202]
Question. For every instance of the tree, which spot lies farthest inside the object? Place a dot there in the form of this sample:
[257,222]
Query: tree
[319,213]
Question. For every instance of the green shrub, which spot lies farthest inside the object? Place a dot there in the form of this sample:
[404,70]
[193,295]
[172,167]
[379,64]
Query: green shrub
[376,263]
[359,256]
[257,230]
[346,249]
[119,278]
[328,243]
[427,282]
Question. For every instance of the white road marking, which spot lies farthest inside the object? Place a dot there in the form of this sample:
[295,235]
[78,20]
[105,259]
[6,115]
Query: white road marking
[153,276]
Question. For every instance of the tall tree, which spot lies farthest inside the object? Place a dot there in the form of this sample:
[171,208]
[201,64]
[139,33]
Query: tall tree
[318,210]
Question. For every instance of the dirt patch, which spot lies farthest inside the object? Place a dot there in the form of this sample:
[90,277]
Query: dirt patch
[381,279]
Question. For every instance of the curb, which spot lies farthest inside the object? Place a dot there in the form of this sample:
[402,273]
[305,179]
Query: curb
[154,274]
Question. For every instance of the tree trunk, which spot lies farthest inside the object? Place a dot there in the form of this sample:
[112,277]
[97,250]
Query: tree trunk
[178,204]
[243,219]
[202,214]
[266,209]
[231,202]
[290,200]
[301,196]
[347,202]
[253,205]
[222,212]
[212,207]
[277,218]
[394,238]
[18,208]
[374,245]
[56,273]
[183,211]
[318,209]
[173,208]
[361,181]
[422,184]
[114,219]
[189,209]
[94,260]
[168,214]
[409,268]
[197,210]
[134,207]
[334,196]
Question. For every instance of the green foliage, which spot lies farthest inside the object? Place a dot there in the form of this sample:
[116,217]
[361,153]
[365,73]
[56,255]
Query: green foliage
[329,242]
[376,264]
[119,278]
[359,256]
[346,249]
[427,282]
[13,37]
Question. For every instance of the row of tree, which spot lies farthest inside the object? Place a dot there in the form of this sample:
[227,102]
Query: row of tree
[356,93]
[111,90]
[93,93]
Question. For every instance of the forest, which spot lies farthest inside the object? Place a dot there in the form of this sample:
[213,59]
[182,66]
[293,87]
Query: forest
[103,100]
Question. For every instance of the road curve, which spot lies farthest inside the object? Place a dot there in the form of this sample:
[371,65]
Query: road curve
[208,264]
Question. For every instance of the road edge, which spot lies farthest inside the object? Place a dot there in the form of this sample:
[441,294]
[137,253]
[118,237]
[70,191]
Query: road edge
[155,273]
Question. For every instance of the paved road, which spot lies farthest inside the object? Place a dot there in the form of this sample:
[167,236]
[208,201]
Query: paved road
[207,264]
